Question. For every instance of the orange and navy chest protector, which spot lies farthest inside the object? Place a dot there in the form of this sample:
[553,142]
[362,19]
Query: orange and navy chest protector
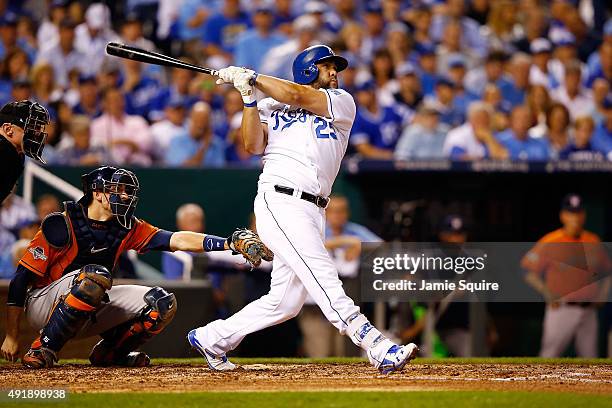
[68,241]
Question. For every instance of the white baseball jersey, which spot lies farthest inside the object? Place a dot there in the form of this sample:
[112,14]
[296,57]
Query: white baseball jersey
[304,151]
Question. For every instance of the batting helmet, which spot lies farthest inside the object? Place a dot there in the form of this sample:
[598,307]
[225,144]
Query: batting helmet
[305,69]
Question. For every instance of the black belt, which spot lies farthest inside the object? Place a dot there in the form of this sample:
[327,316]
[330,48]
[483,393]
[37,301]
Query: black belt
[315,199]
[580,304]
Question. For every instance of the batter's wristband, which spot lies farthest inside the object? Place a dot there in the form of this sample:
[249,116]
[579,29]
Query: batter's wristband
[213,243]
[251,104]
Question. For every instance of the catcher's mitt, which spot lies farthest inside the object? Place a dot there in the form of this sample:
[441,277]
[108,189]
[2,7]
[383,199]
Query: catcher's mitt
[249,245]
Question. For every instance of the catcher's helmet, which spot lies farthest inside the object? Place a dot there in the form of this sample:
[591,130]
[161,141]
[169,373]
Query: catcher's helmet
[121,185]
[32,117]
[305,69]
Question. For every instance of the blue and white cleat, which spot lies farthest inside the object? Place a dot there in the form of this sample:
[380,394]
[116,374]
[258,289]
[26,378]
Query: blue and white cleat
[397,357]
[217,363]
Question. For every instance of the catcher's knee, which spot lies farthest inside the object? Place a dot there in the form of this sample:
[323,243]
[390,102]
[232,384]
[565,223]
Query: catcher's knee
[89,288]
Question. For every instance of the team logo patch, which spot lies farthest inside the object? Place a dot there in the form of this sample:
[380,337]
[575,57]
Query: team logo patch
[38,253]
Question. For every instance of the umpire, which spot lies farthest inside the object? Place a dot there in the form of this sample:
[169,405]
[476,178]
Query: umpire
[22,131]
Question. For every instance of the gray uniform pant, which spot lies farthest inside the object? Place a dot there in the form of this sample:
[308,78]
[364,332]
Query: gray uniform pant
[564,323]
[126,303]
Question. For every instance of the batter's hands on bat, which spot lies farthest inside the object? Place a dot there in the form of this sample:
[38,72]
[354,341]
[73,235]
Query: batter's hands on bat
[10,349]
[249,245]
[227,75]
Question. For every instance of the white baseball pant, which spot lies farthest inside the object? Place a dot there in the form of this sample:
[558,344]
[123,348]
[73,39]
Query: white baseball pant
[294,230]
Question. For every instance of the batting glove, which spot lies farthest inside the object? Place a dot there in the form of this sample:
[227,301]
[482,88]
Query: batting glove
[227,75]
[243,83]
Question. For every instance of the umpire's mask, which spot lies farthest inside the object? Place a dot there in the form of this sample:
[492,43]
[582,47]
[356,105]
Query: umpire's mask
[123,196]
[32,117]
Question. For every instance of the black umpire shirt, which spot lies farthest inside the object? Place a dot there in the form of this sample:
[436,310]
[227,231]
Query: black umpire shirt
[11,163]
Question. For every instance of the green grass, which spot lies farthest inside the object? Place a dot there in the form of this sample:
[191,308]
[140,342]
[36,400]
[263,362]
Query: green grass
[416,399]
[355,360]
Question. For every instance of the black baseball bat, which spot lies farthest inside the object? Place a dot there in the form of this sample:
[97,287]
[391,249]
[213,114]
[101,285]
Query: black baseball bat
[150,57]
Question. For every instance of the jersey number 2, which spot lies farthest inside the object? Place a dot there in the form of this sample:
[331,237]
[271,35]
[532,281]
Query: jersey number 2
[323,125]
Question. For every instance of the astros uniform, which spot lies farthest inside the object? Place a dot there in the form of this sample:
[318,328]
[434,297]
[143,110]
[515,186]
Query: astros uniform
[303,153]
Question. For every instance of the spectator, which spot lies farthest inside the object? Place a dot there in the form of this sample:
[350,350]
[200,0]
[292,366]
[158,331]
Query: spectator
[376,128]
[474,139]
[131,33]
[539,103]
[140,89]
[252,45]
[22,89]
[501,26]
[557,134]
[600,65]
[398,42]
[28,228]
[564,53]
[126,138]
[14,67]
[540,71]
[492,72]
[7,239]
[451,46]
[576,99]
[89,98]
[278,61]
[179,89]
[409,94]
[93,35]
[581,148]
[80,152]
[443,101]
[535,25]
[191,22]
[64,57]
[168,128]
[374,25]
[602,138]
[420,19]
[48,32]
[383,75]
[456,74]
[8,33]
[455,10]
[189,217]
[14,210]
[43,84]
[517,141]
[283,16]
[222,30]
[501,109]
[47,204]
[427,67]
[318,10]
[423,138]
[515,90]
[601,93]
[570,301]
[198,145]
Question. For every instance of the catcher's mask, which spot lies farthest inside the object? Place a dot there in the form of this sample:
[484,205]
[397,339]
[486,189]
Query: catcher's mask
[32,117]
[122,187]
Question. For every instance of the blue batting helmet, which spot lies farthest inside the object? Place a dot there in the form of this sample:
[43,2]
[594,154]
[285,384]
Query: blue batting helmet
[305,69]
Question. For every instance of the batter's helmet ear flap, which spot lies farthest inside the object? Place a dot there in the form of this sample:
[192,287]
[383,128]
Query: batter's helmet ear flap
[305,70]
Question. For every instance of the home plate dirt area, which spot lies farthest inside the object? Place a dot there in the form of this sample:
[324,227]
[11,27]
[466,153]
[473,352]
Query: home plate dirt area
[190,377]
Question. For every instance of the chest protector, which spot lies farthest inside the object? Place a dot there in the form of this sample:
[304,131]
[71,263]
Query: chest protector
[93,248]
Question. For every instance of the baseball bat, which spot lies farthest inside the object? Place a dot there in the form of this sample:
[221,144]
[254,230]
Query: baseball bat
[150,57]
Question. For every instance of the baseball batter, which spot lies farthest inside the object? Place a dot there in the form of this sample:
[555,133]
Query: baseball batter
[65,285]
[302,129]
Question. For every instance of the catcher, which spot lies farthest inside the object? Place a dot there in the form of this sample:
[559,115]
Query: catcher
[67,268]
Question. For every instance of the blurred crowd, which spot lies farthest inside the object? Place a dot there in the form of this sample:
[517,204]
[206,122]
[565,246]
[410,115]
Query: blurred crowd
[432,79]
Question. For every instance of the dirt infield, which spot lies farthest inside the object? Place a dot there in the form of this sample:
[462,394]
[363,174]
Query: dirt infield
[316,377]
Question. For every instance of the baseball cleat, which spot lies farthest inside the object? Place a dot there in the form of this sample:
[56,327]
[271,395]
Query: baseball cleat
[40,357]
[397,357]
[103,355]
[217,363]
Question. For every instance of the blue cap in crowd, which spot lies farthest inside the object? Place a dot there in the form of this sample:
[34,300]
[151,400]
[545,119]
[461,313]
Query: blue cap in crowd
[563,38]
[264,7]
[176,101]
[540,45]
[87,79]
[572,203]
[453,223]
[404,69]
[373,7]
[367,85]
[8,19]
[425,49]
[443,81]
[456,61]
